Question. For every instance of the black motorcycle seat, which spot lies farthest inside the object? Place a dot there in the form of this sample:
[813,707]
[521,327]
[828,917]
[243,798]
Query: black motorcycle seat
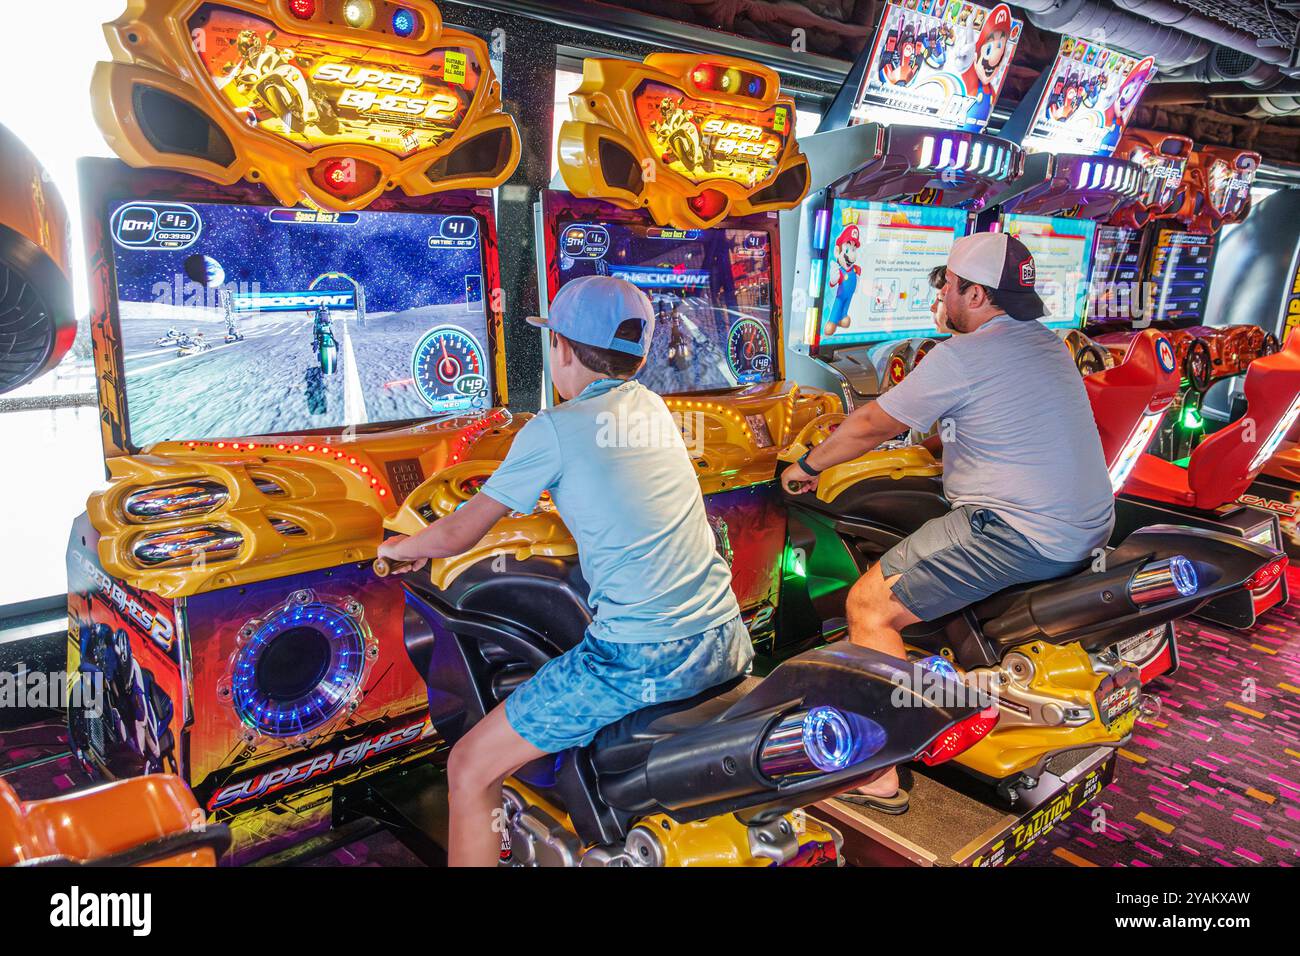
[623,744]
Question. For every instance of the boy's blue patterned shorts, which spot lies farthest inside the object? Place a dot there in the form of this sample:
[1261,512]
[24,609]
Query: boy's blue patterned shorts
[598,682]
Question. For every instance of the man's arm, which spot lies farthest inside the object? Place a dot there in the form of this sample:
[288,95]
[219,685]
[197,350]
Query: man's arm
[455,533]
[864,429]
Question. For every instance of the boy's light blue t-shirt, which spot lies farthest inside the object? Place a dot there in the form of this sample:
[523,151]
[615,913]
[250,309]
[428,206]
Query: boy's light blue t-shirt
[618,471]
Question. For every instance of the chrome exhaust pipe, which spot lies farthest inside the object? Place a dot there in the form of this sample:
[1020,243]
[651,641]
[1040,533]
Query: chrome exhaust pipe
[1166,580]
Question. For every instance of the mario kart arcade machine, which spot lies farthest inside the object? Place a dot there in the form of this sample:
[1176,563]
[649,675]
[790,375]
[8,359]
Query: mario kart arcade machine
[1257,279]
[1001,804]
[221,583]
[899,163]
[1201,471]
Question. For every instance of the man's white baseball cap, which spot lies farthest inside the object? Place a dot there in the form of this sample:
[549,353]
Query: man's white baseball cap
[1004,264]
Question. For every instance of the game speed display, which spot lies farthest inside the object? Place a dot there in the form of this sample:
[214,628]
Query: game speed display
[370,317]
[877,281]
[1062,250]
[711,290]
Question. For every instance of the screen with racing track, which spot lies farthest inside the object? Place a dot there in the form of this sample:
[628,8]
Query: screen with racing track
[242,320]
[711,290]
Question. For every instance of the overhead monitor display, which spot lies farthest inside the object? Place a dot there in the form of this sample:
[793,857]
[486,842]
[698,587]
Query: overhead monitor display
[1062,250]
[1089,95]
[711,290]
[1180,269]
[875,278]
[254,320]
[937,63]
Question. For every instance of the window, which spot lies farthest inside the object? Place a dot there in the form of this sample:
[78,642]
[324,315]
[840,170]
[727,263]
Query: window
[56,458]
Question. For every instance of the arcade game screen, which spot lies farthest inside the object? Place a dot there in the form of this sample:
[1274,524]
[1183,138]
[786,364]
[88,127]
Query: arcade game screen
[255,320]
[1062,250]
[1116,270]
[1180,269]
[711,290]
[878,263]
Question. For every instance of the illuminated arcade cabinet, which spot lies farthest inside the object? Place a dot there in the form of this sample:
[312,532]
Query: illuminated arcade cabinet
[899,165]
[676,170]
[1257,279]
[890,203]
[293,327]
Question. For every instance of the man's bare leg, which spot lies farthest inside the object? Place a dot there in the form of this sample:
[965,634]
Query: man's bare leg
[479,763]
[876,620]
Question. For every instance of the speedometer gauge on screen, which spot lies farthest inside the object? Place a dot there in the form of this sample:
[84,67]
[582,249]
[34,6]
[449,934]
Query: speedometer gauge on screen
[448,369]
[749,351]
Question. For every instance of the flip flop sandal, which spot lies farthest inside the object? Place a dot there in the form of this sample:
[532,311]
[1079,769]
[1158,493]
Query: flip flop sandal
[895,805]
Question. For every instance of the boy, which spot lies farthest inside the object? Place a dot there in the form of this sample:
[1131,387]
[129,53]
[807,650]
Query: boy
[667,625]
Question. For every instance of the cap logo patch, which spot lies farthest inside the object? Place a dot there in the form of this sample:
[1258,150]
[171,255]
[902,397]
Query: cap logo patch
[1027,273]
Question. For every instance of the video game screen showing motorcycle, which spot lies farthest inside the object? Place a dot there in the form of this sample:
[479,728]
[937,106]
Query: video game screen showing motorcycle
[254,320]
[711,290]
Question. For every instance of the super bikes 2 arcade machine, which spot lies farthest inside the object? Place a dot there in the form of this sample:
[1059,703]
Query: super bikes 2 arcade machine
[699,234]
[220,586]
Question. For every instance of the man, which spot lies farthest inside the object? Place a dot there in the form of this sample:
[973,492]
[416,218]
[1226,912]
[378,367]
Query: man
[1023,465]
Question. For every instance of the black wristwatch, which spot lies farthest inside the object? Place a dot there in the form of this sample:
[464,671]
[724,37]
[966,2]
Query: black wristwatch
[808,469]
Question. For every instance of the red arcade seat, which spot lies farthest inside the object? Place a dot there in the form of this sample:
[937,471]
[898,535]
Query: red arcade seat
[144,821]
[1128,400]
[1225,463]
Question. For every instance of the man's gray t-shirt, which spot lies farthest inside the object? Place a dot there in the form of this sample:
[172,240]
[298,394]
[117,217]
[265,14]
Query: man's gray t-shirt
[1019,436]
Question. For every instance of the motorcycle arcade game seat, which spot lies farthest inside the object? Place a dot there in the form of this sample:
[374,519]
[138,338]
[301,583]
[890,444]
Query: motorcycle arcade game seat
[1204,491]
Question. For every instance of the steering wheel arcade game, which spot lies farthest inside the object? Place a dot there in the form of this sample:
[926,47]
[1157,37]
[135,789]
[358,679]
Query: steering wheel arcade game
[274,380]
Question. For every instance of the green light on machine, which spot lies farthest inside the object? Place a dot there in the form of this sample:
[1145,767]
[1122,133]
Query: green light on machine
[1192,420]
[793,562]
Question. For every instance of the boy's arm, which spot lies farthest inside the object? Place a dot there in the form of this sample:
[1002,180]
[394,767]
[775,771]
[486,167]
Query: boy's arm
[455,533]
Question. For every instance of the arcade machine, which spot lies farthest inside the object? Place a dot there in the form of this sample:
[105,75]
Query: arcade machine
[1118,296]
[1257,280]
[220,586]
[1203,479]
[700,236]
[653,235]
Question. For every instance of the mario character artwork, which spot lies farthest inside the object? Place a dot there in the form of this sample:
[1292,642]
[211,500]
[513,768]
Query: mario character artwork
[991,50]
[844,278]
[1121,108]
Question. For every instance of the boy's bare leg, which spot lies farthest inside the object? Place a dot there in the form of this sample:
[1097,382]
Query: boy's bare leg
[876,618]
[479,763]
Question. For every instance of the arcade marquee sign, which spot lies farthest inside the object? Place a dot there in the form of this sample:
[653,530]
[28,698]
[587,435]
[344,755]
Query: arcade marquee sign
[326,113]
[690,140]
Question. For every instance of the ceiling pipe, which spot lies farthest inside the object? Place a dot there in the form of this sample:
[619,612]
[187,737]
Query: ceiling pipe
[1174,35]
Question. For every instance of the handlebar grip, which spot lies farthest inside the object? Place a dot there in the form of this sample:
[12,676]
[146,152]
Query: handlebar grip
[382,567]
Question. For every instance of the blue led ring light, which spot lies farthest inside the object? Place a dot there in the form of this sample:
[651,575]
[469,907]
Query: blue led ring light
[300,667]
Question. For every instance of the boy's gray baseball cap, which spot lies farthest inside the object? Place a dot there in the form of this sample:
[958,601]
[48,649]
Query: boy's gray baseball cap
[590,309]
